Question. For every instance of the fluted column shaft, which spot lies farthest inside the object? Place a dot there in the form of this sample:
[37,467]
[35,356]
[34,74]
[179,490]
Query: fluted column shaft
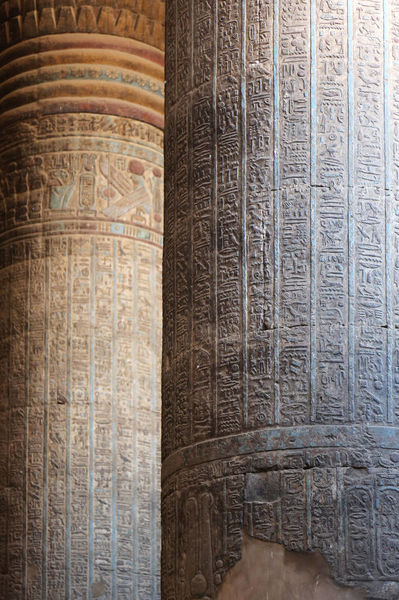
[281,389]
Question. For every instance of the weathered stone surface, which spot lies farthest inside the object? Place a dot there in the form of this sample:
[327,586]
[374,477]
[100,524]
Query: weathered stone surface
[268,571]
[81,176]
[280,393]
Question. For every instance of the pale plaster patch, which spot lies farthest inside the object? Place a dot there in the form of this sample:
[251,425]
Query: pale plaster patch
[267,571]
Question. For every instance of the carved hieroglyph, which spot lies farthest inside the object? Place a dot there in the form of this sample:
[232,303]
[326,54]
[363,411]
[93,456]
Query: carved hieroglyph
[281,361]
[81,205]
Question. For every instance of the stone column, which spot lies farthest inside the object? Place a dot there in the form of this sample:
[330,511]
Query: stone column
[81,168]
[281,300]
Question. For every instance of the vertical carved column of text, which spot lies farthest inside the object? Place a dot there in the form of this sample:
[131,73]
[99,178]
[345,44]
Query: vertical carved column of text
[68,430]
[135,399]
[393,67]
[295,240]
[183,225]
[169,258]
[80,418]
[4,370]
[276,213]
[230,234]
[259,183]
[331,186]
[114,412]
[169,502]
[202,208]
[58,323]
[4,395]
[182,413]
[125,410]
[330,253]
[295,247]
[389,216]
[16,422]
[371,397]
[102,419]
[156,357]
[170,544]
[144,420]
[36,351]
[5,325]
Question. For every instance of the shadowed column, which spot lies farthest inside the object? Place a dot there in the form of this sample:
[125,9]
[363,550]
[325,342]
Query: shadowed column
[281,389]
[81,202]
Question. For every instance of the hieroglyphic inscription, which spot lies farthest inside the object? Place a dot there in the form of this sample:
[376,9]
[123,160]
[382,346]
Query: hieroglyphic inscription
[16,422]
[275,499]
[57,348]
[80,360]
[169,285]
[294,178]
[50,181]
[330,193]
[259,185]
[393,213]
[36,350]
[281,351]
[371,396]
[231,235]
[181,337]
[79,300]
[203,230]
[4,366]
